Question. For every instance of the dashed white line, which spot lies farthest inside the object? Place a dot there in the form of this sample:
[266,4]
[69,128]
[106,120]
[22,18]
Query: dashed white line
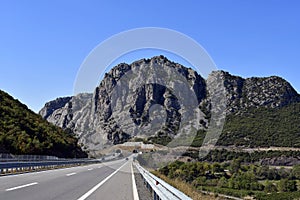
[134,189]
[71,174]
[21,186]
[86,195]
[90,169]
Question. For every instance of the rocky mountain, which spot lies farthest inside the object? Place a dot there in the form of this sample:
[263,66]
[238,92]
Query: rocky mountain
[25,132]
[157,97]
[269,92]
[93,117]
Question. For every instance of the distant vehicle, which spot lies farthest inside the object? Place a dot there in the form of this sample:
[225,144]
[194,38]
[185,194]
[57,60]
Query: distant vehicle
[134,151]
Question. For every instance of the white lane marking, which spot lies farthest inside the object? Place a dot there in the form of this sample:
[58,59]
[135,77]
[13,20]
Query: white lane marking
[135,192]
[86,195]
[71,174]
[21,186]
[90,169]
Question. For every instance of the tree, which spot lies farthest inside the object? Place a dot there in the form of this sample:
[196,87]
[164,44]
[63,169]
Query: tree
[232,183]
[223,182]
[296,172]
[285,185]
[235,166]
[201,181]
[216,168]
[270,187]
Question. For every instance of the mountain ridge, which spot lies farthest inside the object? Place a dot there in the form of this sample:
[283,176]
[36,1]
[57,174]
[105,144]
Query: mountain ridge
[90,116]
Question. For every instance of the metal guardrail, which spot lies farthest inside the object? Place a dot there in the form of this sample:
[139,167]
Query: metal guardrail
[7,167]
[6,157]
[161,189]
[21,163]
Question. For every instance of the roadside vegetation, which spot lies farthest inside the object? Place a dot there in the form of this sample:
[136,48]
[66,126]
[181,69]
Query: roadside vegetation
[235,179]
[187,188]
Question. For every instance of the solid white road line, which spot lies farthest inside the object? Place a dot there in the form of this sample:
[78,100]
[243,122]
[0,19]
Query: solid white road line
[21,186]
[135,192]
[86,195]
[71,174]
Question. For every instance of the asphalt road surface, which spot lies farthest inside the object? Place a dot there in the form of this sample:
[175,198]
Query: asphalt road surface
[111,181]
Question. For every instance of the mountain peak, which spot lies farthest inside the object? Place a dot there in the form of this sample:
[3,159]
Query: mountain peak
[93,119]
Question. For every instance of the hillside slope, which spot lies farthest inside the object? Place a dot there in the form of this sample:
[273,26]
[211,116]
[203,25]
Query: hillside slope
[24,132]
[263,127]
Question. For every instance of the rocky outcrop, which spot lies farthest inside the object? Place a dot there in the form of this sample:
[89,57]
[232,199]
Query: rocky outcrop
[68,112]
[281,161]
[54,105]
[157,97]
[269,92]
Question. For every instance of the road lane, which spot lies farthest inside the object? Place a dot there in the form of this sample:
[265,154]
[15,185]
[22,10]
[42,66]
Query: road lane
[118,187]
[62,184]
[12,180]
[96,187]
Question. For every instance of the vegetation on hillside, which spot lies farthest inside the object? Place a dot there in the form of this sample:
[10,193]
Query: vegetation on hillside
[223,155]
[24,132]
[236,179]
[263,127]
[256,127]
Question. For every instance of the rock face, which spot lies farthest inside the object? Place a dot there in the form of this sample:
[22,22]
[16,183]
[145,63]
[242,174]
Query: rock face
[269,92]
[52,106]
[281,161]
[64,112]
[131,97]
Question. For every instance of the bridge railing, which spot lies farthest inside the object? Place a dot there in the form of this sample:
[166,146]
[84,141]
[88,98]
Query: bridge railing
[6,157]
[21,166]
[161,189]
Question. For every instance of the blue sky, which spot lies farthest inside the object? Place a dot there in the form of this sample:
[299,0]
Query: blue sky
[43,43]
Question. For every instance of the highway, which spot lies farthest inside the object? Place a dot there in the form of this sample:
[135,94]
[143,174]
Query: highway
[111,180]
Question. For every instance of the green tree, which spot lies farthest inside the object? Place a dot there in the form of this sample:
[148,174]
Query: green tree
[222,182]
[286,185]
[200,181]
[235,166]
[270,187]
[216,168]
[296,172]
